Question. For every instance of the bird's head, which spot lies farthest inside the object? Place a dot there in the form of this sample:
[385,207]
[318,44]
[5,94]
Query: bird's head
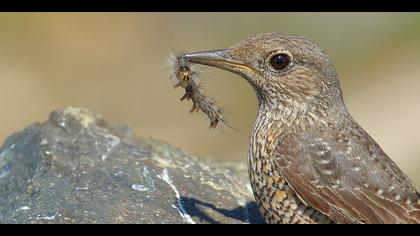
[283,69]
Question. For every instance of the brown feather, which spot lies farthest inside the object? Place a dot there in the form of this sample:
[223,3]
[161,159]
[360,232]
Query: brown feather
[339,187]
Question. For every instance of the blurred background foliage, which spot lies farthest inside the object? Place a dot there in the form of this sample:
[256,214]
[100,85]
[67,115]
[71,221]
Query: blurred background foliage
[116,64]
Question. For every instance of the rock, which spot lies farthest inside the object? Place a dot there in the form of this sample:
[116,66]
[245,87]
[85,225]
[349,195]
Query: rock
[77,168]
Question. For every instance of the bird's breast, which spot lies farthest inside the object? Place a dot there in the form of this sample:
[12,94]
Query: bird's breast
[277,200]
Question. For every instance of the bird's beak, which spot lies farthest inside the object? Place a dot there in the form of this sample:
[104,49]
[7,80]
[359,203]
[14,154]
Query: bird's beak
[218,58]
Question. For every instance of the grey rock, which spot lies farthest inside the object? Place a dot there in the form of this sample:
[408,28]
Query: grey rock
[77,168]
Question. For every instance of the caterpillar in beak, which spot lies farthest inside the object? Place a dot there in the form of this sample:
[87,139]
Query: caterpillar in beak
[186,77]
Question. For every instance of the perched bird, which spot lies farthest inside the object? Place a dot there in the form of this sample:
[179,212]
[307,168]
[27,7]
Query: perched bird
[309,160]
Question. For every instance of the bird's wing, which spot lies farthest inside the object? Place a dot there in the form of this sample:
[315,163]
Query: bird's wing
[348,178]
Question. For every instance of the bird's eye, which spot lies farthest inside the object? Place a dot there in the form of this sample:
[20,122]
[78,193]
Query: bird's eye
[280,61]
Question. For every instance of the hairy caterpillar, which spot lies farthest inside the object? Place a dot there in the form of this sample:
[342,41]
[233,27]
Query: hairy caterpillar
[184,76]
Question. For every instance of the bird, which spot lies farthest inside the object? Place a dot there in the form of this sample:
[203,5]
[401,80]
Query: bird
[309,161]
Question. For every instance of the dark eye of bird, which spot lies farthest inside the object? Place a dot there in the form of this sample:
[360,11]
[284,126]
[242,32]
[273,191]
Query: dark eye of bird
[280,61]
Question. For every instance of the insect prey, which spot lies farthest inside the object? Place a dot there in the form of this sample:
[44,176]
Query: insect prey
[184,76]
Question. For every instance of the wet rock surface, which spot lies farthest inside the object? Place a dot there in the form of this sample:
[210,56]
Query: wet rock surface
[77,168]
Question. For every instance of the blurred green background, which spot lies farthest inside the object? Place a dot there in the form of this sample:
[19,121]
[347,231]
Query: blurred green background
[116,64]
